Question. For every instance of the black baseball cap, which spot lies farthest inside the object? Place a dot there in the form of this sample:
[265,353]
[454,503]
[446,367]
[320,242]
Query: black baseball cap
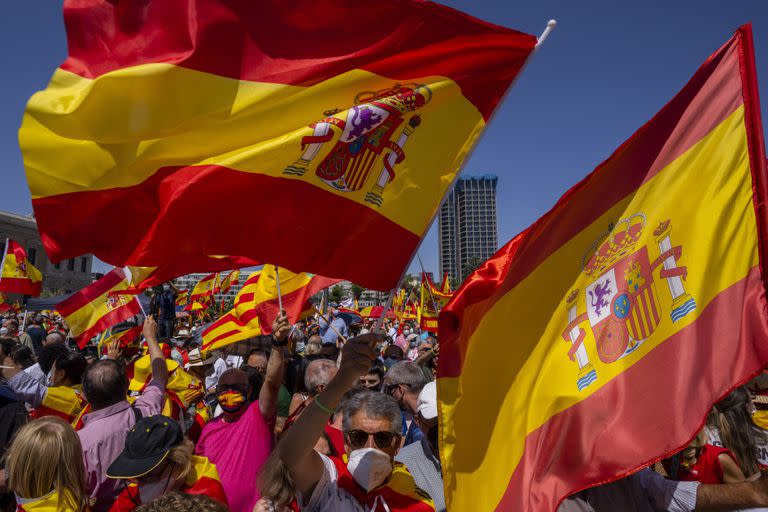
[146,446]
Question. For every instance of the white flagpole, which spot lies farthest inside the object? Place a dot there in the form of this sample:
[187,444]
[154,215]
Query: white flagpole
[279,295]
[377,326]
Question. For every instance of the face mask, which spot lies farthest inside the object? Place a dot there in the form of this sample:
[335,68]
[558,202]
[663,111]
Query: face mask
[369,467]
[49,378]
[231,400]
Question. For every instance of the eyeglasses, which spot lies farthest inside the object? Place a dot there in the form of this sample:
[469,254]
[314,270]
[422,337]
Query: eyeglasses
[359,438]
[390,389]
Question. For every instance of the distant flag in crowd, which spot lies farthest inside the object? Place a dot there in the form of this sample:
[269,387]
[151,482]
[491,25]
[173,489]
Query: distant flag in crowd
[431,302]
[124,338]
[616,300]
[99,306]
[348,129]
[446,286]
[17,274]
[182,298]
[238,324]
[233,278]
[204,288]
[4,304]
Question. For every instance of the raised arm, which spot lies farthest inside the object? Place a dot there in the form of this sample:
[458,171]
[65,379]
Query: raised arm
[275,367]
[159,367]
[296,447]
[714,498]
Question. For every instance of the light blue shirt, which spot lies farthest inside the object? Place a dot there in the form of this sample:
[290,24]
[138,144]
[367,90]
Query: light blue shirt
[328,334]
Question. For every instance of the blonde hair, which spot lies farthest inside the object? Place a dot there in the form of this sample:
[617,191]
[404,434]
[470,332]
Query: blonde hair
[275,481]
[46,456]
[181,457]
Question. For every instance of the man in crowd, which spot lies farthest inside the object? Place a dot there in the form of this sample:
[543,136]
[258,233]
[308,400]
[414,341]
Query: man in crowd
[404,381]
[240,440]
[61,393]
[36,333]
[338,327]
[371,425]
[423,457]
[105,427]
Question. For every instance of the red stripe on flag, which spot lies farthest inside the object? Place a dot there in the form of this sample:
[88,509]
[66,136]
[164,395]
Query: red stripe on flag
[178,192]
[298,43]
[20,285]
[90,293]
[565,445]
[114,317]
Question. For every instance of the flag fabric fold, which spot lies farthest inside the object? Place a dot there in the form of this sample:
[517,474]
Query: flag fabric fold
[249,106]
[99,306]
[17,274]
[616,301]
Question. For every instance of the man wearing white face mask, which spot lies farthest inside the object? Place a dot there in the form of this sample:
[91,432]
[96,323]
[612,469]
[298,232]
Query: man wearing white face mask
[366,479]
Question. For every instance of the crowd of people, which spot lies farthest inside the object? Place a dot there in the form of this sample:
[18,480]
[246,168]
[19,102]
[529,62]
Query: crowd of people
[318,416]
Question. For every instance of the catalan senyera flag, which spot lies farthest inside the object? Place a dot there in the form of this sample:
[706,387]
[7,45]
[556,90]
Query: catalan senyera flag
[184,115]
[99,306]
[204,288]
[17,274]
[634,304]
[238,324]
[232,278]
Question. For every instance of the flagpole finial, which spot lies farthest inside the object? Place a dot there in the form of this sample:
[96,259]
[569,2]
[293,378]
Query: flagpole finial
[551,24]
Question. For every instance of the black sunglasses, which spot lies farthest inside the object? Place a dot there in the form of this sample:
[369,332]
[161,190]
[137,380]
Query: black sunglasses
[359,438]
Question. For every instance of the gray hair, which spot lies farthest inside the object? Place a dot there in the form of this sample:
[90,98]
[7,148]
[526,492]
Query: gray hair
[55,337]
[408,373]
[319,373]
[373,405]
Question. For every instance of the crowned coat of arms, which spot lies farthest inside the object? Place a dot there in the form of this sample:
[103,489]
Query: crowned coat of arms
[620,304]
[369,138]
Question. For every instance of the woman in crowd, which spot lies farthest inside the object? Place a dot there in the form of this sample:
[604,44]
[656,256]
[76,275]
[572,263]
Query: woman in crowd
[45,467]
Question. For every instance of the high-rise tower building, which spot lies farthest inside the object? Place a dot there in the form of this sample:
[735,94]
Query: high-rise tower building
[467,224]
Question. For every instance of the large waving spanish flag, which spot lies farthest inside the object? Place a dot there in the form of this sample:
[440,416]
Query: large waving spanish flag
[634,304]
[17,275]
[99,306]
[204,288]
[189,113]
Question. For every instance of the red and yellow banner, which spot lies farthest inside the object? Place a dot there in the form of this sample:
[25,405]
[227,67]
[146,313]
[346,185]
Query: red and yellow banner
[186,115]
[616,301]
[17,275]
[182,298]
[238,324]
[124,338]
[232,278]
[99,306]
[204,289]
[432,301]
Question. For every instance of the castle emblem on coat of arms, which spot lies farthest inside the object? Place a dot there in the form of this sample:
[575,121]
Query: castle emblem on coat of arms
[371,137]
[621,305]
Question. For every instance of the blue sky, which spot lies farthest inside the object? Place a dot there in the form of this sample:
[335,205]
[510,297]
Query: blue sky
[604,71]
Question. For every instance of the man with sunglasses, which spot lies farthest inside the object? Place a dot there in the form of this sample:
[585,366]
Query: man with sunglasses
[367,477]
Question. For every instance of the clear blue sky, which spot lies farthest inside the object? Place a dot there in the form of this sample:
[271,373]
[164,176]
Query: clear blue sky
[604,71]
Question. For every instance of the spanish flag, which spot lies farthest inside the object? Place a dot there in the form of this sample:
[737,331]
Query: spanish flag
[634,304]
[204,288]
[124,338]
[17,275]
[189,113]
[64,402]
[99,306]
[232,278]
[182,298]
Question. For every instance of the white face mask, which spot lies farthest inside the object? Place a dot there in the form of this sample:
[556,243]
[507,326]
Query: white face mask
[369,467]
[49,378]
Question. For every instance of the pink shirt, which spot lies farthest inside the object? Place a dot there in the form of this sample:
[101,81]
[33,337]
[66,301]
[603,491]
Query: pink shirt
[103,439]
[239,450]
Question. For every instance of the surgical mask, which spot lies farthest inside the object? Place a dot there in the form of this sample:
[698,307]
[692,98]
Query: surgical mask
[49,378]
[369,467]
[166,287]
[231,400]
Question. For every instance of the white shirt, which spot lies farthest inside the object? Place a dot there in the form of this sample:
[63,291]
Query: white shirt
[329,497]
[36,373]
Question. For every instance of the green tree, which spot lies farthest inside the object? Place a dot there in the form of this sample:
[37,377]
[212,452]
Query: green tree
[337,294]
[357,291]
[470,266]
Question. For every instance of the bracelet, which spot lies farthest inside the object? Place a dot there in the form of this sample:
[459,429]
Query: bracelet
[276,343]
[323,408]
